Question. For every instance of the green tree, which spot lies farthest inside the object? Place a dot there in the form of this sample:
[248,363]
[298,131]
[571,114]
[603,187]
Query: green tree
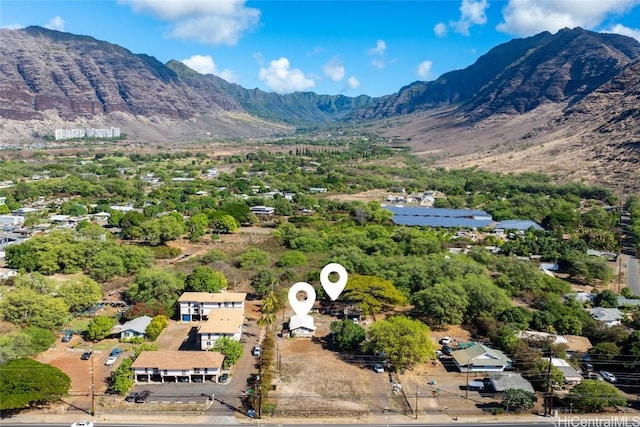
[156,285]
[263,282]
[225,224]
[156,326]
[607,299]
[594,396]
[539,375]
[372,293]
[205,279]
[515,398]
[231,349]
[121,380]
[197,226]
[292,259]
[484,297]
[253,258]
[519,317]
[604,351]
[80,293]
[26,382]
[443,303]
[106,265]
[99,327]
[214,255]
[25,306]
[347,335]
[403,341]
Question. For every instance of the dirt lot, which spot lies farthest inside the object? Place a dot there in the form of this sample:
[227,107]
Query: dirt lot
[66,357]
[314,380]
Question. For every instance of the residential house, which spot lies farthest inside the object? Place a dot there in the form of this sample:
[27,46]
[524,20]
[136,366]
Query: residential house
[505,380]
[608,316]
[583,297]
[11,220]
[480,358]
[628,302]
[572,343]
[224,322]
[301,326]
[175,366]
[196,306]
[133,328]
[263,210]
[570,374]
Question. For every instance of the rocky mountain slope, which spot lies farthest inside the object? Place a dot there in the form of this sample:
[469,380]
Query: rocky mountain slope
[564,103]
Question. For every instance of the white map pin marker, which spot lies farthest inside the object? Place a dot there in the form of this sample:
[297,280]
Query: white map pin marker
[301,308]
[333,289]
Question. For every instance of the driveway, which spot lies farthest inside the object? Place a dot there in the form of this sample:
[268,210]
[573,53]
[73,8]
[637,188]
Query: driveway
[633,277]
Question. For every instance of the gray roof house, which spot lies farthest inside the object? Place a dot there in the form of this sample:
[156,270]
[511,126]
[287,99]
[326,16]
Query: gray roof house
[480,358]
[628,302]
[132,328]
[505,380]
[608,316]
[570,374]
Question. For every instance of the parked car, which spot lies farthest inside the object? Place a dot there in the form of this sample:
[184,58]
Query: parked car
[224,378]
[197,379]
[67,336]
[608,376]
[447,350]
[86,355]
[253,379]
[257,351]
[111,360]
[378,368]
[446,340]
[131,397]
[142,396]
[82,424]
[587,367]
[116,352]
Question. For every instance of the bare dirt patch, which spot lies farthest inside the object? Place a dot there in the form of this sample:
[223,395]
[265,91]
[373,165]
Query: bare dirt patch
[314,380]
[365,196]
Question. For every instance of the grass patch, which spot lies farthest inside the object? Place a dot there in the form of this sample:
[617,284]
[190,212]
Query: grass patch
[79,325]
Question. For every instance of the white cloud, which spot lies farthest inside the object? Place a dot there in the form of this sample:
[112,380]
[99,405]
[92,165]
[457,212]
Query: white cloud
[282,79]
[56,23]
[440,29]
[424,69]
[353,82]
[381,46]
[472,12]
[378,63]
[258,58]
[207,21]
[625,31]
[204,64]
[529,17]
[334,69]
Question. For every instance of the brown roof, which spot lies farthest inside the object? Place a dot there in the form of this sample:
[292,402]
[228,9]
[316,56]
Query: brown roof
[179,359]
[213,297]
[223,321]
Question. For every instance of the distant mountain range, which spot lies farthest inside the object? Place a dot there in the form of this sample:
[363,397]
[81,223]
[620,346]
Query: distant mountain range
[572,91]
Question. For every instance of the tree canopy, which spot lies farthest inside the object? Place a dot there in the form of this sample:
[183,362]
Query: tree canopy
[404,342]
[26,382]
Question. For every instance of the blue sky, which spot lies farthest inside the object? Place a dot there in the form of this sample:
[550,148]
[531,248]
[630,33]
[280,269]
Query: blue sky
[328,47]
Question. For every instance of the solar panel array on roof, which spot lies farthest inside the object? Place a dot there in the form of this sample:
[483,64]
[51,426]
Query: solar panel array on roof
[439,217]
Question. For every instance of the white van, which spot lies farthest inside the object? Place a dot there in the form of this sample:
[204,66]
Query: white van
[476,385]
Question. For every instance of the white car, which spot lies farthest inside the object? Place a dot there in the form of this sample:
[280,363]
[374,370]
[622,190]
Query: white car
[82,424]
[378,368]
[446,340]
[608,376]
[111,360]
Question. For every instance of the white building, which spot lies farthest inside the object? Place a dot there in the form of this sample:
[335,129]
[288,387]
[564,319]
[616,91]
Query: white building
[175,366]
[224,322]
[196,306]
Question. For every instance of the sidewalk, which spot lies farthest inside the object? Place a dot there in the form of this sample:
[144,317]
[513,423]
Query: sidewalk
[381,420]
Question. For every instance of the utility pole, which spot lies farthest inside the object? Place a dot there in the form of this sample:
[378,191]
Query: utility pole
[93,387]
[547,392]
[417,393]
[468,369]
[260,389]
